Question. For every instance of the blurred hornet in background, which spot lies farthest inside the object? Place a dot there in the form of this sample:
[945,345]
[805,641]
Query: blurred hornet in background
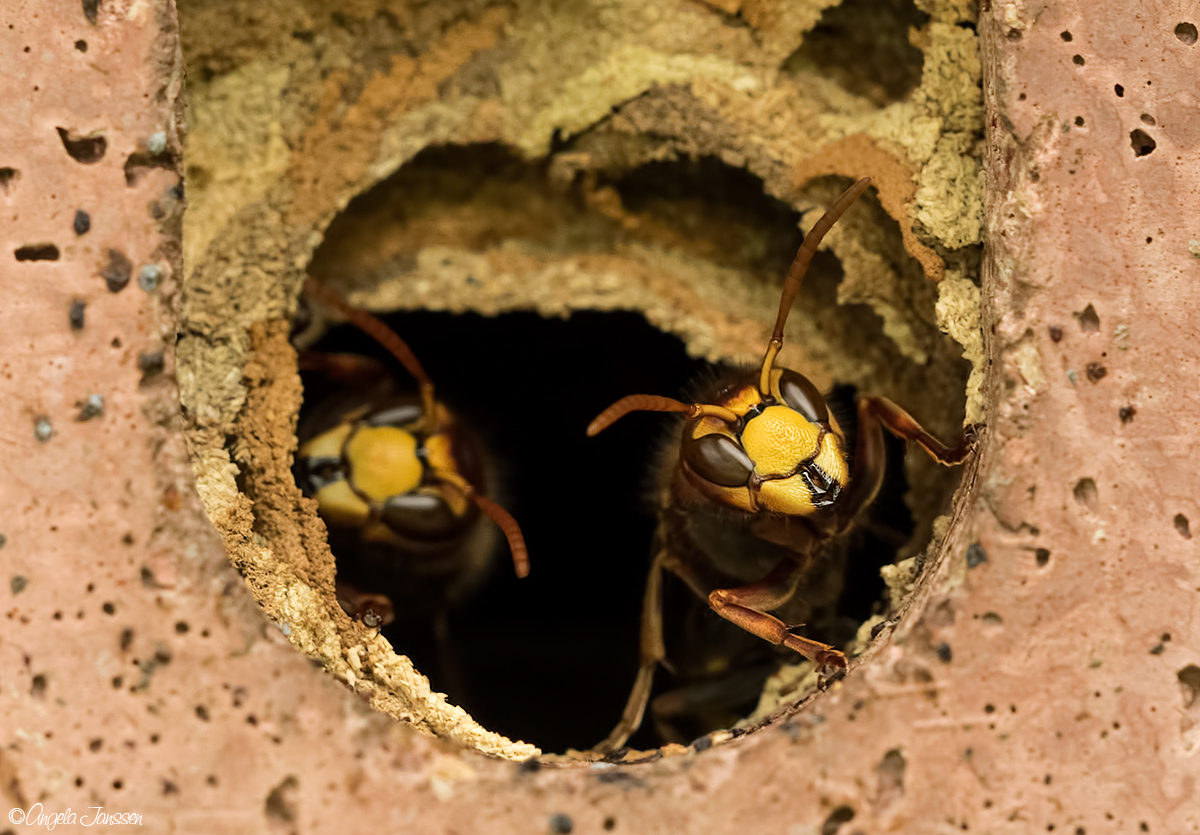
[751,498]
[400,482]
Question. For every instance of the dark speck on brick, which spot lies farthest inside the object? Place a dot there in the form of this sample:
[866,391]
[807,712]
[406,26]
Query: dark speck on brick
[976,555]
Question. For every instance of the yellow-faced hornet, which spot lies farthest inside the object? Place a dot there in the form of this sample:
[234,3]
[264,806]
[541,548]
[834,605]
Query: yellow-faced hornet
[400,482]
[759,482]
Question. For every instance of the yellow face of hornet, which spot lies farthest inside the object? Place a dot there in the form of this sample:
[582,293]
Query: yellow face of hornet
[371,472]
[786,454]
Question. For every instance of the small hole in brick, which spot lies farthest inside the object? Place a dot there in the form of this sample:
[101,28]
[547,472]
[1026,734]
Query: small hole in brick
[118,784]
[1078,121]
[181,627]
[1119,90]
[1042,556]
[280,804]
[76,314]
[1056,333]
[1086,493]
[37,252]
[840,815]
[1126,413]
[126,640]
[1181,525]
[1066,36]
[976,555]
[1013,34]
[1141,142]
[117,272]
[202,713]
[8,178]
[1096,372]
[1078,60]
[1148,119]
[85,149]
[151,365]
[81,45]
[1186,32]
[90,10]
[1189,682]
[95,745]
[1089,321]
[109,608]
[82,222]
[142,161]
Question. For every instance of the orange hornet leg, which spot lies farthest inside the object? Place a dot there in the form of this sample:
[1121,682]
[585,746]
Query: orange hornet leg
[746,607]
[903,425]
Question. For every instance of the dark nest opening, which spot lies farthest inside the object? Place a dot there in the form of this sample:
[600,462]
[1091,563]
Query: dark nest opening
[550,659]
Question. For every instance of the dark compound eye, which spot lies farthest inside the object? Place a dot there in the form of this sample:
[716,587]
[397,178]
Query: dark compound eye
[421,516]
[399,415]
[799,393]
[320,472]
[719,459]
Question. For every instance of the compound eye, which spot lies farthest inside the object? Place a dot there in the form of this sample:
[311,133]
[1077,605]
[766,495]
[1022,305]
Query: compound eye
[317,473]
[399,415]
[719,459]
[799,393]
[421,516]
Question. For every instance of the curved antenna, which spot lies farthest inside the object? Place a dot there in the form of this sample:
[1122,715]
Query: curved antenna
[502,518]
[654,403]
[791,285]
[375,328]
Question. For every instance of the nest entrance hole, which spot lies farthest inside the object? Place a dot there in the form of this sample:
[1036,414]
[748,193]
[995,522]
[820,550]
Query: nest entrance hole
[550,659]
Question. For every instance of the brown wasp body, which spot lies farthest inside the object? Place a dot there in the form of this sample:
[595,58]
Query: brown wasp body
[400,482]
[758,487]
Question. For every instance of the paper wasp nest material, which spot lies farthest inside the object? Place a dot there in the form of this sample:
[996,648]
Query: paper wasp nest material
[546,154]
